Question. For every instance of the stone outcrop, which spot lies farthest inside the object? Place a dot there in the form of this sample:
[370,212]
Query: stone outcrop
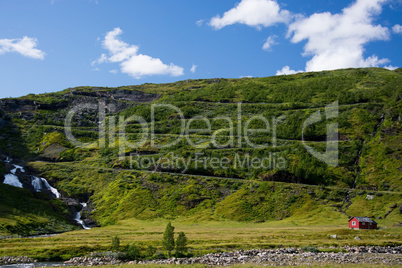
[118,98]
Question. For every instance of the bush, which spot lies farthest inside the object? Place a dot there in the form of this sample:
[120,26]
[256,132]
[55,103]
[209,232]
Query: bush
[133,252]
[310,249]
[115,243]
[150,251]
[159,256]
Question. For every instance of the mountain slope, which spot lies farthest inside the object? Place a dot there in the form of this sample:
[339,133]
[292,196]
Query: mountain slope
[120,182]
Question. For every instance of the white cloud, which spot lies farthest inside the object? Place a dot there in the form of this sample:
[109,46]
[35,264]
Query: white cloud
[337,40]
[143,65]
[286,70]
[199,23]
[193,68]
[103,58]
[132,63]
[25,46]
[114,71]
[390,67]
[255,13]
[118,49]
[269,42]
[397,29]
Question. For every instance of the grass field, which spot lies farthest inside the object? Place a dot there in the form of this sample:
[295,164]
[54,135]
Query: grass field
[204,237]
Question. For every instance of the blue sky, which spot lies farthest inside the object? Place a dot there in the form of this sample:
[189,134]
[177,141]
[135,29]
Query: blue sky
[50,45]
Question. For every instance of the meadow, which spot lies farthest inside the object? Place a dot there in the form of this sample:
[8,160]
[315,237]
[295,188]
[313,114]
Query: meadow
[204,237]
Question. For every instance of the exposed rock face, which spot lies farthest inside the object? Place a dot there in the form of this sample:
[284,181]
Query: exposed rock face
[86,215]
[73,204]
[4,119]
[119,98]
[84,209]
[18,105]
[118,94]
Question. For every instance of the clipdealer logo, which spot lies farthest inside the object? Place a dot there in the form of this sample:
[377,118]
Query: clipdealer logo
[112,133]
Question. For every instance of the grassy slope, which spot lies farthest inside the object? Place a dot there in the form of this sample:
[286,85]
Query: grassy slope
[24,213]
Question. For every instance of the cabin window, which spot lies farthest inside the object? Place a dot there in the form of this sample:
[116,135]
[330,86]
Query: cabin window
[363,223]
[353,223]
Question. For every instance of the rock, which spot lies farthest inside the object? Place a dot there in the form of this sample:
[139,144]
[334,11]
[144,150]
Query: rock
[358,238]
[370,197]
[334,236]
[72,203]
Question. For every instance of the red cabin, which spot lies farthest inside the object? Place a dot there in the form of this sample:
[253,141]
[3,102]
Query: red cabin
[362,223]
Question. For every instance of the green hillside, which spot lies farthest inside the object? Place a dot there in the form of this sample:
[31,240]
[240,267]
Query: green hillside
[152,181]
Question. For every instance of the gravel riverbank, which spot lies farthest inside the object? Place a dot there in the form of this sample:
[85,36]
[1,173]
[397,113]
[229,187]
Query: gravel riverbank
[283,256]
[15,260]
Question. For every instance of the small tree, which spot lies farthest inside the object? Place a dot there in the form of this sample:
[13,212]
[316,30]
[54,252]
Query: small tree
[168,238]
[181,243]
[115,243]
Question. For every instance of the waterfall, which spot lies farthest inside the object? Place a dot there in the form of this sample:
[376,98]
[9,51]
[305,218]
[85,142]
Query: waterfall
[41,183]
[38,183]
[12,180]
[13,171]
[80,222]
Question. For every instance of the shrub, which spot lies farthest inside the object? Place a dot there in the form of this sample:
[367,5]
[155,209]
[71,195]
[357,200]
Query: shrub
[150,251]
[115,243]
[310,249]
[133,252]
[159,255]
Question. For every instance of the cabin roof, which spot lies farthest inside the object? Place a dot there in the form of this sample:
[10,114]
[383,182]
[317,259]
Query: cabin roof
[363,219]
